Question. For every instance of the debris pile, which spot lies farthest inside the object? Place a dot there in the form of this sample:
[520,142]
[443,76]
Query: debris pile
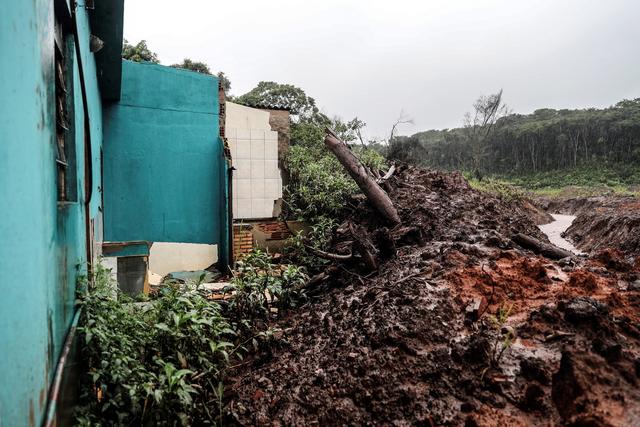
[444,319]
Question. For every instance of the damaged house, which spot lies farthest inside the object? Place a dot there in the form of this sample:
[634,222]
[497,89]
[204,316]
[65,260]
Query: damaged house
[258,139]
[101,157]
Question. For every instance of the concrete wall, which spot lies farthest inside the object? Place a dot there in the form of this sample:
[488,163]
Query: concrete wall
[43,242]
[164,173]
[257,182]
[165,258]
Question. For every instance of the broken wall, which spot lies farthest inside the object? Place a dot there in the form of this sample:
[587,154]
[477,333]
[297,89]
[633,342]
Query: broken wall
[257,181]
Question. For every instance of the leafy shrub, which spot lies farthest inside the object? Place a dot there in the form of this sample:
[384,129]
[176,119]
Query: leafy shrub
[259,285]
[157,362]
[318,237]
[319,185]
[497,187]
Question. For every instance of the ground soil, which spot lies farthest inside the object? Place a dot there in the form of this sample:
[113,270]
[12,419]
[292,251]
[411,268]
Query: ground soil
[457,326]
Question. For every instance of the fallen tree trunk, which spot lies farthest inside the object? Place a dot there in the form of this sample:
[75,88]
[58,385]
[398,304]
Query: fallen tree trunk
[544,249]
[376,195]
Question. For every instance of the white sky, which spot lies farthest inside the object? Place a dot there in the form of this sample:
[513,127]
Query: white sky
[429,58]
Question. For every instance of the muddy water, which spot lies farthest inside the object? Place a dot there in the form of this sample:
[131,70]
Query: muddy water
[554,231]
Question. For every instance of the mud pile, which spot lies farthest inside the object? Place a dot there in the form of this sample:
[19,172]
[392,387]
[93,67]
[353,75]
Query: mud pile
[457,326]
[602,222]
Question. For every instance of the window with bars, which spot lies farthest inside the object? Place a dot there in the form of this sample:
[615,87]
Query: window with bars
[64,137]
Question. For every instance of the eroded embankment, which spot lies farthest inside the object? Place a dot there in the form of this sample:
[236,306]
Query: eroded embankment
[601,222]
[458,326]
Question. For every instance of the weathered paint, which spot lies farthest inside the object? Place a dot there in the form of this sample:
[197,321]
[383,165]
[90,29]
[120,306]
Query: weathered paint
[164,162]
[43,243]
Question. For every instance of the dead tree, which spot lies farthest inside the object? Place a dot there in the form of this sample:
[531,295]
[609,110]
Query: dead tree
[376,195]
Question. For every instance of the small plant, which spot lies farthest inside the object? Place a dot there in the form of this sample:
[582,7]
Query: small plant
[505,337]
[259,285]
[318,237]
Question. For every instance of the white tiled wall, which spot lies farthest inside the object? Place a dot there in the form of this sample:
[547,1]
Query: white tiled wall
[256,181]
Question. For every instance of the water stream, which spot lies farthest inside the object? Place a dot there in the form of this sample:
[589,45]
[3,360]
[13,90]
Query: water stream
[554,231]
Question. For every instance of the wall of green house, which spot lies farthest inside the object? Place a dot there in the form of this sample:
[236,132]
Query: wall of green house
[43,245]
[163,158]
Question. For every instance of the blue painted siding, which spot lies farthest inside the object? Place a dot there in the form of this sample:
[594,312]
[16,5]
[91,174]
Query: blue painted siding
[43,244]
[163,158]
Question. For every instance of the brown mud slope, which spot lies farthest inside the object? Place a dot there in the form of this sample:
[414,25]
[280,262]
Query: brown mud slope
[421,341]
[602,222]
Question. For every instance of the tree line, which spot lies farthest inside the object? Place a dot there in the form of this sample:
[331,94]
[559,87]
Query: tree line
[519,144]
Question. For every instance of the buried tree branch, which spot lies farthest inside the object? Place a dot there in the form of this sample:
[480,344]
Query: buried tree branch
[327,255]
[542,248]
[376,195]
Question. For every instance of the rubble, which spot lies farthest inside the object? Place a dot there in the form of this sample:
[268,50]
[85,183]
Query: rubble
[416,335]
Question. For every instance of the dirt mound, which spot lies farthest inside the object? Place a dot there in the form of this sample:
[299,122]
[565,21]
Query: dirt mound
[601,222]
[457,326]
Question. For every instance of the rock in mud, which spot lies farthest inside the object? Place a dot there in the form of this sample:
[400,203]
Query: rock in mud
[583,309]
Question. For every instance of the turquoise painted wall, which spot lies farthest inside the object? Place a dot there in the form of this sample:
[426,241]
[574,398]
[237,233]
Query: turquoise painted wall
[163,158]
[42,243]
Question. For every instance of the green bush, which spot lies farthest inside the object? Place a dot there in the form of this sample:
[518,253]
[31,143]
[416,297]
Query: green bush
[318,184]
[259,285]
[318,237]
[156,362]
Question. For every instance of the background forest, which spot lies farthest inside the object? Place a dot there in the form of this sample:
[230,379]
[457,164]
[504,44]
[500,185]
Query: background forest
[544,148]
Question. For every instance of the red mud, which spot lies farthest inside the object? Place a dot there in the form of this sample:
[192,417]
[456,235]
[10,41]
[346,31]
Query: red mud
[417,341]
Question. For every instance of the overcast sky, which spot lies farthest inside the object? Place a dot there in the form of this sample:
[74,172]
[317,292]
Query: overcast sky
[428,58]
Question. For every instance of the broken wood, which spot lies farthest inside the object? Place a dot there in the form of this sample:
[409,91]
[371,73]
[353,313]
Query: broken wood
[376,195]
[389,174]
[327,255]
[542,248]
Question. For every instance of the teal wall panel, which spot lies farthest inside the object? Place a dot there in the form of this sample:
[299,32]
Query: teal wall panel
[43,243]
[163,158]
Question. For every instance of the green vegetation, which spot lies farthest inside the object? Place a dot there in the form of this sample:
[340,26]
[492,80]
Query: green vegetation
[300,246]
[141,53]
[587,180]
[496,187]
[258,286]
[318,185]
[546,149]
[159,361]
[285,96]
[162,361]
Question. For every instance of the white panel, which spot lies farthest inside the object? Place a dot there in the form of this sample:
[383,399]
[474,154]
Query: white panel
[271,135]
[268,208]
[243,134]
[257,168]
[243,150]
[244,208]
[257,134]
[279,188]
[257,188]
[257,149]
[271,169]
[165,258]
[235,207]
[230,133]
[243,117]
[243,168]
[243,188]
[232,147]
[271,189]
[271,150]
[257,208]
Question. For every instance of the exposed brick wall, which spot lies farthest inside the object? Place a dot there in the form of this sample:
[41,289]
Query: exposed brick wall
[275,230]
[242,240]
